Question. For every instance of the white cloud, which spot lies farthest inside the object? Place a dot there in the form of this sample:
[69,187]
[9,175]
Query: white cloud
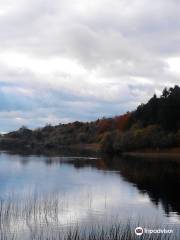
[174,63]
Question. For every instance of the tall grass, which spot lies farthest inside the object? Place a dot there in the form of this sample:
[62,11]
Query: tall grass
[40,219]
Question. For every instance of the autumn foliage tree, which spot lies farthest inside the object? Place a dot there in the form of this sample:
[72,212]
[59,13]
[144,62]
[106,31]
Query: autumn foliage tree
[122,122]
[104,125]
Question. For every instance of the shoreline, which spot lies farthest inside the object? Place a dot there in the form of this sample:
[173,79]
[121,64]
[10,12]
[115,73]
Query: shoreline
[96,148]
[154,153]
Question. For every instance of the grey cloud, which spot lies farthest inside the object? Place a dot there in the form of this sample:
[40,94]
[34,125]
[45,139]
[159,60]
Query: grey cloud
[123,47]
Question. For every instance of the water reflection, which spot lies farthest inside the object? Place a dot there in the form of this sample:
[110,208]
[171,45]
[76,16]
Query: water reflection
[90,189]
[159,178]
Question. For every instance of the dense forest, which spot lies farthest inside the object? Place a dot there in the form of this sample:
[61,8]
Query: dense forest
[154,125]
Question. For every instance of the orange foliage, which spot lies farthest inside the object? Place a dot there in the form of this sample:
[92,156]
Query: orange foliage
[122,122]
[104,125]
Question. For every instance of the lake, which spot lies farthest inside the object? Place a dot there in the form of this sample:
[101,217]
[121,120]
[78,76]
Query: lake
[52,193]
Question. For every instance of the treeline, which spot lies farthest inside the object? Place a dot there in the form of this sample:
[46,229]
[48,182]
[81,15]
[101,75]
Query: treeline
[64,135]
[164,111]
[155,124]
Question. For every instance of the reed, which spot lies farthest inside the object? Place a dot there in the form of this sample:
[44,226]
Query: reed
[40,219]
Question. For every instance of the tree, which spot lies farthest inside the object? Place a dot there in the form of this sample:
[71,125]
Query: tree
[165,93]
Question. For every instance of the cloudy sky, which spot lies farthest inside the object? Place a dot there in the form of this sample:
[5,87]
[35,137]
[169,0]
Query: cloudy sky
[66,60]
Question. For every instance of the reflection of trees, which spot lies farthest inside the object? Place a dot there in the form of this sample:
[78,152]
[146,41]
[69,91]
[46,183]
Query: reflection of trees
[159,178]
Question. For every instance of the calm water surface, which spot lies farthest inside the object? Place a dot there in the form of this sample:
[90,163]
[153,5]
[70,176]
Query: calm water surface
[88,190]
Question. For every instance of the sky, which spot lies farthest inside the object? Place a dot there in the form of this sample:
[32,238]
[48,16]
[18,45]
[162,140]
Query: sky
[62,60]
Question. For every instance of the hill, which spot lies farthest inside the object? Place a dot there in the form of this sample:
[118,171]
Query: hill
[154,125]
